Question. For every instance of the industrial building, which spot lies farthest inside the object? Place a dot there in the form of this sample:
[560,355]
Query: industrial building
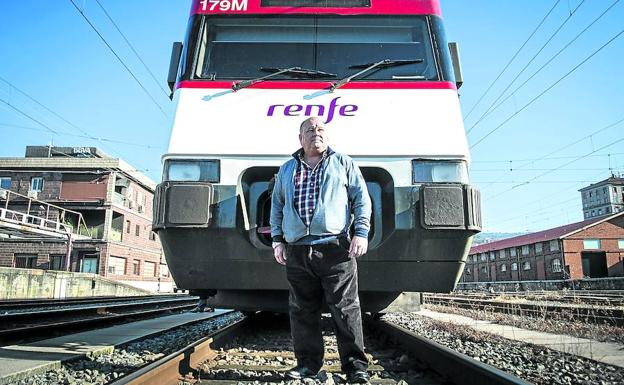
[593,248]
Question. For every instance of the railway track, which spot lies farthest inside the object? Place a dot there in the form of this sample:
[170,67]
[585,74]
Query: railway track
[44,322]
[254,351]
[7,306]
[607,315]
[589,297]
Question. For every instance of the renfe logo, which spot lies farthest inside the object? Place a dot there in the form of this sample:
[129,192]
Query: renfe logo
[314,109]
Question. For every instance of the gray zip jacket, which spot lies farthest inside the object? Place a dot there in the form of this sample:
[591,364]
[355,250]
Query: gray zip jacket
[343,190]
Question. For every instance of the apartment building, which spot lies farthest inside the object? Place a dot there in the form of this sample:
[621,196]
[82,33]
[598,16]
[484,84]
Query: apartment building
[115,201]
[603,198]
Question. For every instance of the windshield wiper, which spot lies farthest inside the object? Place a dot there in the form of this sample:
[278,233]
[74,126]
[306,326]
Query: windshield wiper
[370,66]
[295,71]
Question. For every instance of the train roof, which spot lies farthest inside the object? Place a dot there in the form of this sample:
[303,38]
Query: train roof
[307,7]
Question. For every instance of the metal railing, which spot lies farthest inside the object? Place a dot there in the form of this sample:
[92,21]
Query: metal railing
[32,213]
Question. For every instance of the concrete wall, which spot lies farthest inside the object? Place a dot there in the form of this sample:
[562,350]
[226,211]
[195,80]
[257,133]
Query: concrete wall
[35,283]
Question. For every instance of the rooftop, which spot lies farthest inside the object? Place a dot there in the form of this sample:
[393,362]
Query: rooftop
[541,236]
[44,158]
[612,180]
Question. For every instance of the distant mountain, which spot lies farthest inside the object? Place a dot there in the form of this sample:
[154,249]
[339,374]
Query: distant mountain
[482,238]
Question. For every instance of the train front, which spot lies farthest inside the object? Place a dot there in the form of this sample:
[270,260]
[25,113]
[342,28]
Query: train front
[249,73]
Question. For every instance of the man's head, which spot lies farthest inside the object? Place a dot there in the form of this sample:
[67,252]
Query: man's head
[313,136]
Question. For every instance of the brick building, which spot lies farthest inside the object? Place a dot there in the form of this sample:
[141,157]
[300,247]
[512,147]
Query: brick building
[592,248]
[115,201]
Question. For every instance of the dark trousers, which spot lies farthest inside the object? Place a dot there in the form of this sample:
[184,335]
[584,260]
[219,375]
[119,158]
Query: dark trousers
[324,272]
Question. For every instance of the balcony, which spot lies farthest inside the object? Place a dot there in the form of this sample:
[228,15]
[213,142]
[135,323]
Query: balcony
[119,199]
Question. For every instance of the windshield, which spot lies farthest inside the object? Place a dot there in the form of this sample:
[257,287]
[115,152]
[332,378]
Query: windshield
[238,48]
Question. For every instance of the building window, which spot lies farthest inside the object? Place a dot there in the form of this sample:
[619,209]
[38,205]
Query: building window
[149,269]
[468,271]
[152,236]
[556,266]
[599,211]
[538,248]
[512,252]
[164,270]
[554,245]
[501,254]
[25,261]
[484,269]
[526,265]
[503,267]
[514,266]
[136,267]
[36,184]
[621,244]
[137,230]
[128,227]
[116,265]
[5,183]
[492,255]
[525,250]
[591,244]
[90,265]
[482,256]
[57,262]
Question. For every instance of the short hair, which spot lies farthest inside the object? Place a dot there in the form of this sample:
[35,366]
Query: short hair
[307,120]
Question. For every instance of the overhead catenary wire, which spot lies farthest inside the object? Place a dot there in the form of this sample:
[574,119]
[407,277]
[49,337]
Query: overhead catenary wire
[47,127]
[590,135]
[119,58]
[87,136]
[550,38]
[493,107]
[512,59]
[611,40]
[19,111]
[542,199]
[555,169]
[133,49]
[533,160]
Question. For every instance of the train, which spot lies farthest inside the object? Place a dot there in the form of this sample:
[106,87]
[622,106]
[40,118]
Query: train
[382,76]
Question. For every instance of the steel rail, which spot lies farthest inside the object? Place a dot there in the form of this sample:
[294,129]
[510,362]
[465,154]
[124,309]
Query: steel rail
[587,298]
[94,309]
[456,367]
[599,315]
[7,305]
[178,365]
[16,332]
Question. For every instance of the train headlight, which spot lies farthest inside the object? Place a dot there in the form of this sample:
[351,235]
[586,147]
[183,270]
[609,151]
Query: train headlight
[442,171]
[192,170]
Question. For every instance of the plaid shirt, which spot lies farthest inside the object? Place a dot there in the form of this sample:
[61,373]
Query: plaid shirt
[307,187]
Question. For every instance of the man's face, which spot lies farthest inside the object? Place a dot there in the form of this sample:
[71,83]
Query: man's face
[313,137]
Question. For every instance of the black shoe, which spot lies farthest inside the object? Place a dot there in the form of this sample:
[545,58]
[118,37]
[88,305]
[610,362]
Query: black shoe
[358,377]
[299,372]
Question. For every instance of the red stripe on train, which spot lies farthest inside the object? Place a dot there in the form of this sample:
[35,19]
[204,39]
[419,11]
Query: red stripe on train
[377,7]
[286,85]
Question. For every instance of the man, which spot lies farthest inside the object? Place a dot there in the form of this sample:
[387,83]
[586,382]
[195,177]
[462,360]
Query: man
[315,194]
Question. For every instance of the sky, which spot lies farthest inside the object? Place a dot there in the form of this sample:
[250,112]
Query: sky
[541,97]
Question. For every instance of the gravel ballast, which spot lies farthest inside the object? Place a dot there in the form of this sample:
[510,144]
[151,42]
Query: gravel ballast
[533,363]
[129,357]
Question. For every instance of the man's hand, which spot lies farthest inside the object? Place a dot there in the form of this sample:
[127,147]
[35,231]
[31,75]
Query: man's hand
[279,252]
[359,246]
